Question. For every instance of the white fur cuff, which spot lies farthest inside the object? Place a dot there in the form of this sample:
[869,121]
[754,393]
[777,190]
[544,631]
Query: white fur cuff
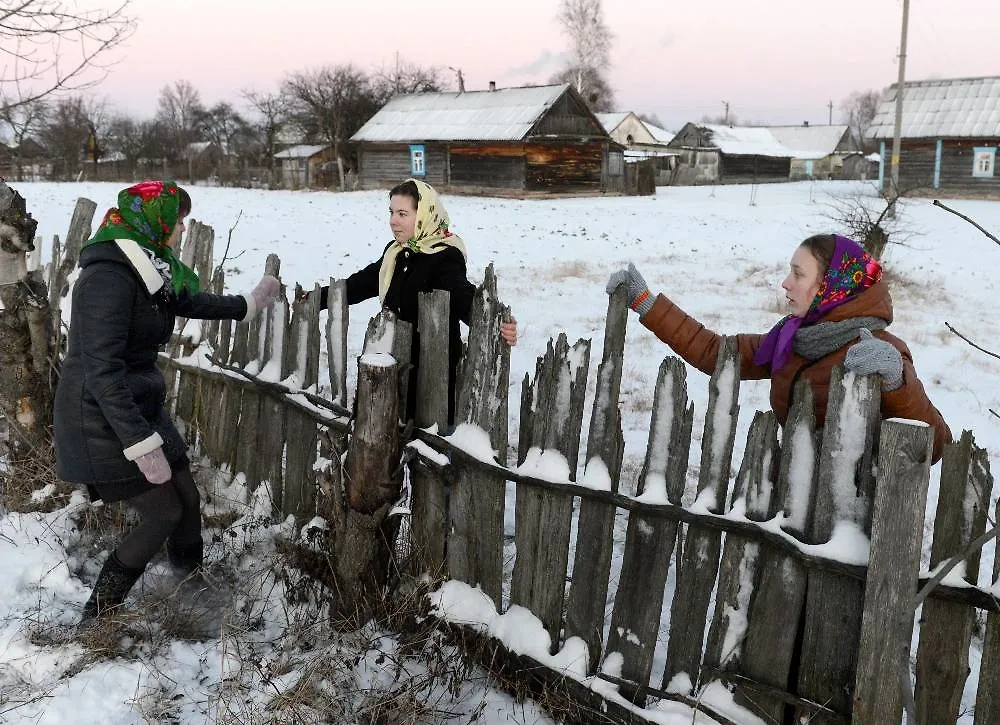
[251,308]
[146,445]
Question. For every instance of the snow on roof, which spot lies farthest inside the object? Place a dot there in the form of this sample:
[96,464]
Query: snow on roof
[611,121]
[949,108]
[815,141]
[662,135]
[303,151]
[747,141]
[506,114]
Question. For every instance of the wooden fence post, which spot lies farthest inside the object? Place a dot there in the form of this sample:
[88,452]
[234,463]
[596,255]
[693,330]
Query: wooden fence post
[988,692]
[904,463]
[698,560]
[832,627]
[588,591]
[946,627]
[543,518]
[780,590]
[649,540]
[475,545]
[337,319]
[429,503]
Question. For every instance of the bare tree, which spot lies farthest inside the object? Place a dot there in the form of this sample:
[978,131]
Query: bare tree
[179,109]
[728,119]
[406,77]
[53,45]
[858,111]
[25,120]
[272,111]
[67,129]
[332,103]
[590,51]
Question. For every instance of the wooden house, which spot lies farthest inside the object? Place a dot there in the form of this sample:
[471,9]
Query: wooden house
[820,152]
[539,138]
[642,142]
[713,154]
[305,166]
[949,135]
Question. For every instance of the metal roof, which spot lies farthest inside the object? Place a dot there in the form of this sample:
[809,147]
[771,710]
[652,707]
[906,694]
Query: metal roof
[747,141]
[611,121]
[303,151]
[812,140]
[506,114]
[662,135]
[949,108]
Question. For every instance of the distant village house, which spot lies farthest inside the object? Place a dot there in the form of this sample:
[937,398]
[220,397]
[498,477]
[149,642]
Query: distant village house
[642,142]
[714,154]
[305,166]
[821,152]
[541,138]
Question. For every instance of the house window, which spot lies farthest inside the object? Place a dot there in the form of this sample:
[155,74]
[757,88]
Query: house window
[417,165]
[984,160]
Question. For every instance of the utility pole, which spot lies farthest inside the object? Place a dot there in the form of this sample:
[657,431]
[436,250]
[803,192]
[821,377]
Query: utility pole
[725,117]
[830,107]
[898,127]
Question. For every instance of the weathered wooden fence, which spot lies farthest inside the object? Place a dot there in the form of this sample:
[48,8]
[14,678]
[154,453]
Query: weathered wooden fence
[811,560]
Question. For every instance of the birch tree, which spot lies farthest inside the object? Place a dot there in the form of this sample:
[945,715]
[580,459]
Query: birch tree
[589,51]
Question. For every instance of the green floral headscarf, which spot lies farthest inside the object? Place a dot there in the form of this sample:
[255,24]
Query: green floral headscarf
[147,213]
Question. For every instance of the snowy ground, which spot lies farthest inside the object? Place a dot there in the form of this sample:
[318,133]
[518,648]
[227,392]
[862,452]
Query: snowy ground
[716,254]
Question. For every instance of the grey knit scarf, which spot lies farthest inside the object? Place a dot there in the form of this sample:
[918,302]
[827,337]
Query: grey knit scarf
[819,340]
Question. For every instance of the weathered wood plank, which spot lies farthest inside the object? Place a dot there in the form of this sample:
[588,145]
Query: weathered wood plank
[779,593]
[833,610]
[649,542]
[588,592]
[543,519]
[338,316]
[698,559]
[429,497]
[883,658]
[946,627]
[754,494]
[988,692]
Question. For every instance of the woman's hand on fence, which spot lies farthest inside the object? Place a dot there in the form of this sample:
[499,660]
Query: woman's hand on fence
[154,466]
[265,293]
[508,331]
[639,298]
[871,355]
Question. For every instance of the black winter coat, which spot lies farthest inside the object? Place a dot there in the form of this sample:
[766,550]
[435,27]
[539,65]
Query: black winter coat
[415,273]
[110,397]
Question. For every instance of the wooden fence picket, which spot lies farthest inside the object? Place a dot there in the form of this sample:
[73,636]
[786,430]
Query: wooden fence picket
[649,541]
[698,559]
[988,691]
[588,592]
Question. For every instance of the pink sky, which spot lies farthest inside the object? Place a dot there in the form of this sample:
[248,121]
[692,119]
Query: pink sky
[677,60]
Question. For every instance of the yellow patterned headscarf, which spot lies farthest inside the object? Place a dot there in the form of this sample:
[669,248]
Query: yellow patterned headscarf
[430,235]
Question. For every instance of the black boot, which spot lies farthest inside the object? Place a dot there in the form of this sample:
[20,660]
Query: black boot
[186,559]
[110,590]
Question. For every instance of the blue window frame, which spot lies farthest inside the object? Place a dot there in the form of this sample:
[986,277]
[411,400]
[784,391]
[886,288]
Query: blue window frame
[984,161]
[418,164]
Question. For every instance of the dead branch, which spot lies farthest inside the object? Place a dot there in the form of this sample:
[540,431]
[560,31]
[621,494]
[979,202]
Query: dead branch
[229,241]
[963,216]
[981,349]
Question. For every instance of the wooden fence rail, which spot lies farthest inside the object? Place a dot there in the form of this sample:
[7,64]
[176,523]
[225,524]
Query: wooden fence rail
[812,558]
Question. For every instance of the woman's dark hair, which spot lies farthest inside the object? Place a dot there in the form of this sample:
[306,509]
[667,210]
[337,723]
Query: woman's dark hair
[184,203]
[407,188]
[821,246]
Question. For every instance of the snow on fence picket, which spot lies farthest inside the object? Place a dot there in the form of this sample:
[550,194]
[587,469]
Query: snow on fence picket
[813,558]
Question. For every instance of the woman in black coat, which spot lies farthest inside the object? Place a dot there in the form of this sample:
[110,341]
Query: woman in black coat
[111,430]
[423,256]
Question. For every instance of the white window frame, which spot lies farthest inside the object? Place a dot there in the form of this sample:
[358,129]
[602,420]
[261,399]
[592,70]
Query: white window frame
[981,154]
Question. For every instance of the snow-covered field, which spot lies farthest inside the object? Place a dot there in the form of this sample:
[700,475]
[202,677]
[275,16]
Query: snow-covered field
[719,256]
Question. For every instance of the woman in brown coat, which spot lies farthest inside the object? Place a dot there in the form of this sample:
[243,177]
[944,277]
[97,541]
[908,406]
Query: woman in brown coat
[840,307]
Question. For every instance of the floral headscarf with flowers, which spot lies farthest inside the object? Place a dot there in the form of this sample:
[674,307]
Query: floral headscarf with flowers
[147,214]
[851,271]
[430,235]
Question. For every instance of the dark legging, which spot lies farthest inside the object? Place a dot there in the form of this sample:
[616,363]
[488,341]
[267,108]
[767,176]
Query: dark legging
[170,510]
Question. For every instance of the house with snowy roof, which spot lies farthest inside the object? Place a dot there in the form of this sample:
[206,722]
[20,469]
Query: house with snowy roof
[714,154]
[535,138]
[305,165]
[642,141]
[821,152]
[949,135]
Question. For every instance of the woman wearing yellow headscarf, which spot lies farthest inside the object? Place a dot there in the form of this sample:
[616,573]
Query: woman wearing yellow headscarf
[423,256]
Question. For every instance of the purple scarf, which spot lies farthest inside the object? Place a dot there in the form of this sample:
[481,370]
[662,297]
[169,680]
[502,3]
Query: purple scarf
[852,270]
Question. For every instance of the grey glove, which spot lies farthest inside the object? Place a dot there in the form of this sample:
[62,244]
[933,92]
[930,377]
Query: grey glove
[262,296]
[870,355]
[154,466]
[639,298]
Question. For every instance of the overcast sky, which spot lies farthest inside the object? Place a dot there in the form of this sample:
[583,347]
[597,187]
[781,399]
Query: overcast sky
[679,60]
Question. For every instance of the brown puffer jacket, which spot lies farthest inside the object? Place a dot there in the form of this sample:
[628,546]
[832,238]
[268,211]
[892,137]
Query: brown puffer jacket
[700,347]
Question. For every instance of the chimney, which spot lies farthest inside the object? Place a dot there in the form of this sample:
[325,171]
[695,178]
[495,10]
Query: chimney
[493,86]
